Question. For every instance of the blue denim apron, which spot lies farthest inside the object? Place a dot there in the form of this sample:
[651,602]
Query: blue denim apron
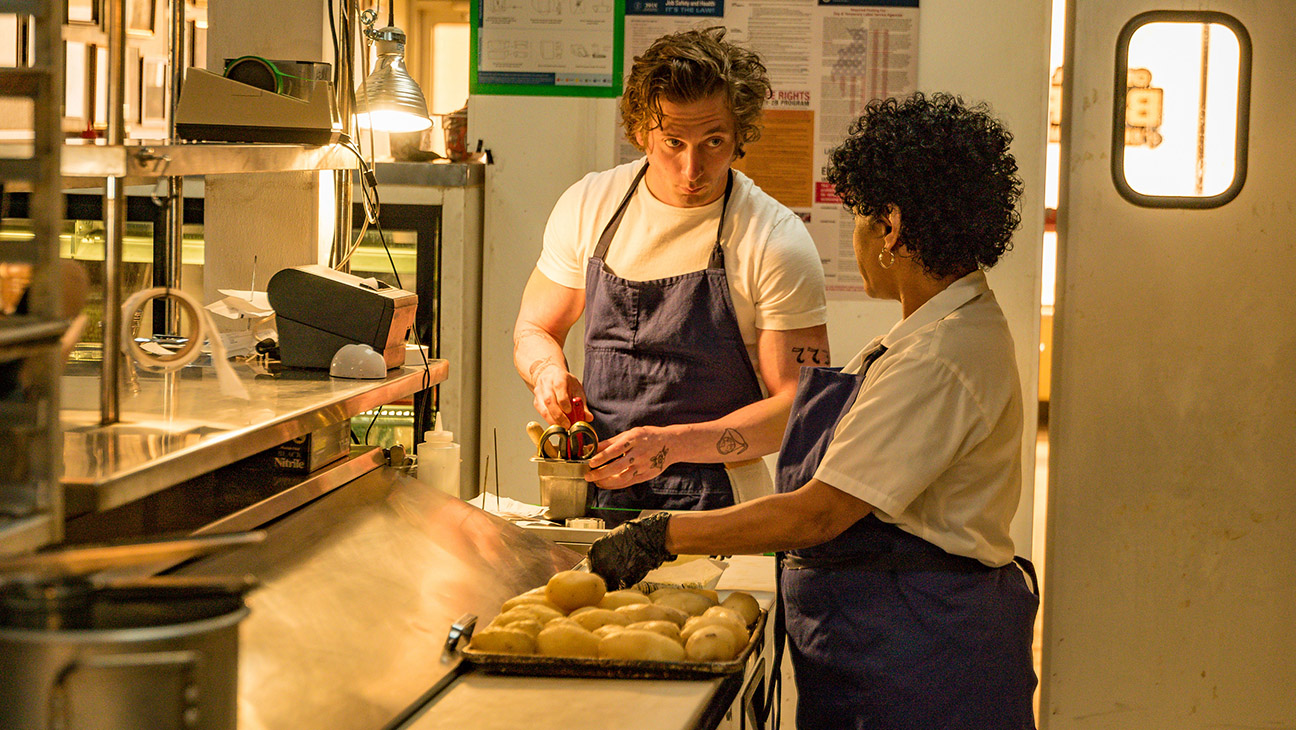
[658,353]
[888,631]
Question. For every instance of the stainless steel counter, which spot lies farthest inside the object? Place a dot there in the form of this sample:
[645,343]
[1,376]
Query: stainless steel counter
[359,590]
[178,427]
[488,702]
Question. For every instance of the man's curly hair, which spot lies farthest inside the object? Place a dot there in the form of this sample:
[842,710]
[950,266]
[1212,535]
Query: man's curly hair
[687,67]
[946,166]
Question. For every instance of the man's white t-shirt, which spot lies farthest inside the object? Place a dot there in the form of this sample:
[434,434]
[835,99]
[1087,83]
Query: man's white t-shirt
[776,278]
[933,439]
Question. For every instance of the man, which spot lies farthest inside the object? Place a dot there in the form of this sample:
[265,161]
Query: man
[687,274]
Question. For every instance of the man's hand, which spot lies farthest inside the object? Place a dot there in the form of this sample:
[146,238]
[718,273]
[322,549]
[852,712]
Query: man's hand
[632,457]
[553,393]
[625,555]
[547,313]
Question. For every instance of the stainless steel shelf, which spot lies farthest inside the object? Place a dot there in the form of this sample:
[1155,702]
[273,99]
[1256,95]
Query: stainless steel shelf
[141,161]
[177,428]
[30,329]
[157,160]
[23,535]
[431,174]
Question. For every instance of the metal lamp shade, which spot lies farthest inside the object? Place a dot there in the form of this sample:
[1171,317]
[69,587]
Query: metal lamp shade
[390,99]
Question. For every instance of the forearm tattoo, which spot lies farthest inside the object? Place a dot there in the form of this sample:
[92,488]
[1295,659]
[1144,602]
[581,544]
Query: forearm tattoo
[526,332]
[539,365]
[659,461]
[731,442]
[812,355]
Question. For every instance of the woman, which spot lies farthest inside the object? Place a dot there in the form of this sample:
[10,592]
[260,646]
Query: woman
[899,474]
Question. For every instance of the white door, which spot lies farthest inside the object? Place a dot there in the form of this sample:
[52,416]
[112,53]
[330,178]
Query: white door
[1170,594]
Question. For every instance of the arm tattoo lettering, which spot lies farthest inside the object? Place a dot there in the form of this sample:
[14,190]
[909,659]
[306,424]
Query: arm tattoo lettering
[813,353]
[659,461]
[731,442]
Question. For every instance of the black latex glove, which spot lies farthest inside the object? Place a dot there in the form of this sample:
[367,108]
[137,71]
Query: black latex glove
[625,555]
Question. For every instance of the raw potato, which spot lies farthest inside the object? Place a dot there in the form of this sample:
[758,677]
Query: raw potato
[744,604]
[645,612]
[727,613]
[704,592]
[570,589]
[738,631]
[665,628]
[503,641]
[640,644]
[674,615]
[529,626]
[692,604]
[596,617]
[711,644]
[567,639]
[532,611]
[529,599]
[607,629]
[617,599]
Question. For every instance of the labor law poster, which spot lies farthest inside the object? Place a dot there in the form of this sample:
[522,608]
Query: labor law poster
[826,60]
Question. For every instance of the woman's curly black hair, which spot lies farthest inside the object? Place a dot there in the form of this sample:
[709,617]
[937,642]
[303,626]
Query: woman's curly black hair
[946,166]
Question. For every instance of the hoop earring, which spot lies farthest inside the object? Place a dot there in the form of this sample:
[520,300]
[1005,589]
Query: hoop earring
[883,262]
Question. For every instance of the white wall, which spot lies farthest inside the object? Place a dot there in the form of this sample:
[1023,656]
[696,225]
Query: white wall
[991,50]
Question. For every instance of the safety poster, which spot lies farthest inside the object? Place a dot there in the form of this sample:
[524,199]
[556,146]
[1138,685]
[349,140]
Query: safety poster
[826,60]
[546,47]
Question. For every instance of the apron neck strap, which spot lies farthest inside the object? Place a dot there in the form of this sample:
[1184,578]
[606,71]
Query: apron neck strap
[609,231]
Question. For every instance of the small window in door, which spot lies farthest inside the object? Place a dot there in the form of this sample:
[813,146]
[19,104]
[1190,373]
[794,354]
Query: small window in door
[1181,104]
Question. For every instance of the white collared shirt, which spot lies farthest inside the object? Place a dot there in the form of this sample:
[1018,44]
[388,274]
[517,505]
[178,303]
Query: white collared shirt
[933,440]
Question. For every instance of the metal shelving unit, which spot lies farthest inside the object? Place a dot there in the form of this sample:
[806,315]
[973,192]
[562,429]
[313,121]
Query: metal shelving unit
[120,454]
[30,439]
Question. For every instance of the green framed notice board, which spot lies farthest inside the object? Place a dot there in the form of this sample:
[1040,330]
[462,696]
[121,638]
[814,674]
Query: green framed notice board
[547,47]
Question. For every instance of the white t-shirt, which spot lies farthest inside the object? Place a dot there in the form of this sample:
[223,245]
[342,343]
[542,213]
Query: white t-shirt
[933,440]
[776,278]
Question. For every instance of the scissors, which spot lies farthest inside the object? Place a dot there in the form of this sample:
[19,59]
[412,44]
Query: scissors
[573,444]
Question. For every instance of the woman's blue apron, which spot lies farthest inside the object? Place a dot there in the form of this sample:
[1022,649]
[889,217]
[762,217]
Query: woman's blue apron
[888,631]
[659,353]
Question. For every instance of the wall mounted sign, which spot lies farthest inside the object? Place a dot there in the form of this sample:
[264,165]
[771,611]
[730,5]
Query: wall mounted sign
[546,47]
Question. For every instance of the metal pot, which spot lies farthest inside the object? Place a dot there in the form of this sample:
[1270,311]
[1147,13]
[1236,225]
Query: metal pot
[147,659]
[158,653]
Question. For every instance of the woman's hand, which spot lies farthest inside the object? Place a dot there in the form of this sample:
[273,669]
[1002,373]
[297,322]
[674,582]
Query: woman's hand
[632,457]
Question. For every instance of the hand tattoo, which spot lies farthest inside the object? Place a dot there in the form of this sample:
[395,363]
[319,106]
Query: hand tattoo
[731,442]
[813,353]
[659,461]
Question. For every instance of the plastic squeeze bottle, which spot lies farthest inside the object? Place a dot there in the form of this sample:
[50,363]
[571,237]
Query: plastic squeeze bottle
[438,459]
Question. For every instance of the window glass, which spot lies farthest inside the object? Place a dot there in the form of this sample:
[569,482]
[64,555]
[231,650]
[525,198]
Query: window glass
[1184,120]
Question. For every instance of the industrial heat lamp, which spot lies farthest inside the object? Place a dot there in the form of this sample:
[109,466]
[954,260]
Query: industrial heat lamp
[389,99]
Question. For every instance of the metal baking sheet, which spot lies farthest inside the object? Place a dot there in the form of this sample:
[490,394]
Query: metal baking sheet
[554,666]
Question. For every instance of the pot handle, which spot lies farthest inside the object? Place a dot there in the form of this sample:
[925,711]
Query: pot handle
[187,661]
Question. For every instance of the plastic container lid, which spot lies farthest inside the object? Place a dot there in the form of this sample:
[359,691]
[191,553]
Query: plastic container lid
[438,436]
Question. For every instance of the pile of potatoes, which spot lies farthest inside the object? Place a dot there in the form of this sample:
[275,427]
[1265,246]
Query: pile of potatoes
[574,615]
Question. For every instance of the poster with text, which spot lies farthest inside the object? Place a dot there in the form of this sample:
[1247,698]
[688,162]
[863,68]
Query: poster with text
[826,60]
[546,47]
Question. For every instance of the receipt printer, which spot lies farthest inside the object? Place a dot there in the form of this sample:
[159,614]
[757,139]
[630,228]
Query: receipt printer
[318,310]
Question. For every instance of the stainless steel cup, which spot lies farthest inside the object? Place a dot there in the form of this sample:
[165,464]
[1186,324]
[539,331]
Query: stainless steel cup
[563,489]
